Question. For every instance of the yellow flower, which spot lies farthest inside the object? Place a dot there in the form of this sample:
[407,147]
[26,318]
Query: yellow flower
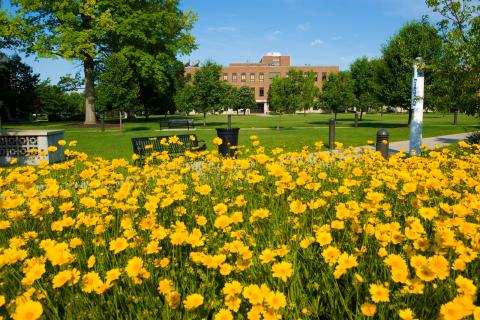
[52,149]
[193,301]
[91,282]
[223,314]
[282,270]
[298,207]
[217,140]
[173,299]
[61,142]
[29,310]
[14,161]
[72,143]
[201,220]
[220,209]
[406,314]
[369,309]
[204,189]
[91,261]
[118,245]
[276,300]
[379,293]
[232,289]
[112,275]
[134,267]
[2,300]
[165,286]
[465,286]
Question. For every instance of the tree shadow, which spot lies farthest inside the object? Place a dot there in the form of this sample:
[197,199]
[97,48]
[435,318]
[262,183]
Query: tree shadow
[361,124]
[137,129]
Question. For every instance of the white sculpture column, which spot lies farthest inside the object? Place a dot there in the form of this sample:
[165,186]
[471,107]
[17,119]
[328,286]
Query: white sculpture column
[417,108]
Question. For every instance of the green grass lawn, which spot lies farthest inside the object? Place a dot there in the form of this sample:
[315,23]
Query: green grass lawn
[296,130]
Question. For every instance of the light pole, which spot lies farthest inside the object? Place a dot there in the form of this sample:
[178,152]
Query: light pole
[417,106]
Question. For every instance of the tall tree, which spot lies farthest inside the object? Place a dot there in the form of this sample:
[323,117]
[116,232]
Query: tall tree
[17,86]
[185,98]
[86,30]
[290,93]
[209,89]
[57,101]
[117,89]
[366,84]
[415,39]
[151,34]
[243,98]
[310,92]
[337,94]
[459,67]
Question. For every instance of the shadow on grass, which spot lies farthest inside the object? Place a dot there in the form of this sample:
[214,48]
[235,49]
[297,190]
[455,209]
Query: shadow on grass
[381,125]
[138,129]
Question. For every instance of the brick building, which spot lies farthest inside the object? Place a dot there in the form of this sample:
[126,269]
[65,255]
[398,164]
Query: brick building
[258,76]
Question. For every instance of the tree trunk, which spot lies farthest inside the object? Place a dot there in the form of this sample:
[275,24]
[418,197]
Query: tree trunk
[410,113]
[361,114]
[88,66]
[335,115]
[204,119]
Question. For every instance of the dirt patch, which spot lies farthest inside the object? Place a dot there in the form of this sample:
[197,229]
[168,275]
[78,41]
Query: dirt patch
[93,126]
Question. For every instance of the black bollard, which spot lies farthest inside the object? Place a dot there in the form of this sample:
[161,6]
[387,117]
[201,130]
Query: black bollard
[356,119]
[331,134]
[455,117]
[382,135]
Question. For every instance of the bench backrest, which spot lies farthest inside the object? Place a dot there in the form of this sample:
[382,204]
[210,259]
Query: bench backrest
[146,145]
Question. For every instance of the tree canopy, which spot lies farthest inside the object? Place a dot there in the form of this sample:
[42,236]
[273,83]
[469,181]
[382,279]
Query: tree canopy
[148,33]
[296,91]
[117,89]
[243,98]
[366,84]
[415,39]
[337,94]
[459,66]
[17,83]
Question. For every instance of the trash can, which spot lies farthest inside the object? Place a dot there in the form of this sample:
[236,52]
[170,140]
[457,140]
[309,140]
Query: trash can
[229,139]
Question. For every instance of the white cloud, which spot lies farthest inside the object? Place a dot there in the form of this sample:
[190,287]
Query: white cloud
[273,35]
[303,27]
[316,42]
[336,38]
[222,29]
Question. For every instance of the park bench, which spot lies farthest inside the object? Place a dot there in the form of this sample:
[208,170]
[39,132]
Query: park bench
[145,146]
[177,123]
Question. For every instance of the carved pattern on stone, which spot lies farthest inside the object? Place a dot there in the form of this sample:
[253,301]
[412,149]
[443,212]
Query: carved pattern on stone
[17,146]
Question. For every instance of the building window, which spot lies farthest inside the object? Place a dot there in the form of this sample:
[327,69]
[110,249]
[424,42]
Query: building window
[234,77]
[260,77]
[261,92]
[243,77]
[316,76]
[324,76]
[252,77]
[252,89]
[273,75]
[225,77]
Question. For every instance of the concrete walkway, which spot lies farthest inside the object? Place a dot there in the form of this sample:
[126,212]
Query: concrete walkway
[431,143]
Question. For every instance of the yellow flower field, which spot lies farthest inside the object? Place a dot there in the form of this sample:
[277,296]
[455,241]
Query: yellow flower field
[267,235]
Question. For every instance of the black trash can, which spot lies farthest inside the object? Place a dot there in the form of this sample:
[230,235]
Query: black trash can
[229,139]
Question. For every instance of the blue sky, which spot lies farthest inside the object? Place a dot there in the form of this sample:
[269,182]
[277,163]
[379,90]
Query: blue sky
[314,32]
